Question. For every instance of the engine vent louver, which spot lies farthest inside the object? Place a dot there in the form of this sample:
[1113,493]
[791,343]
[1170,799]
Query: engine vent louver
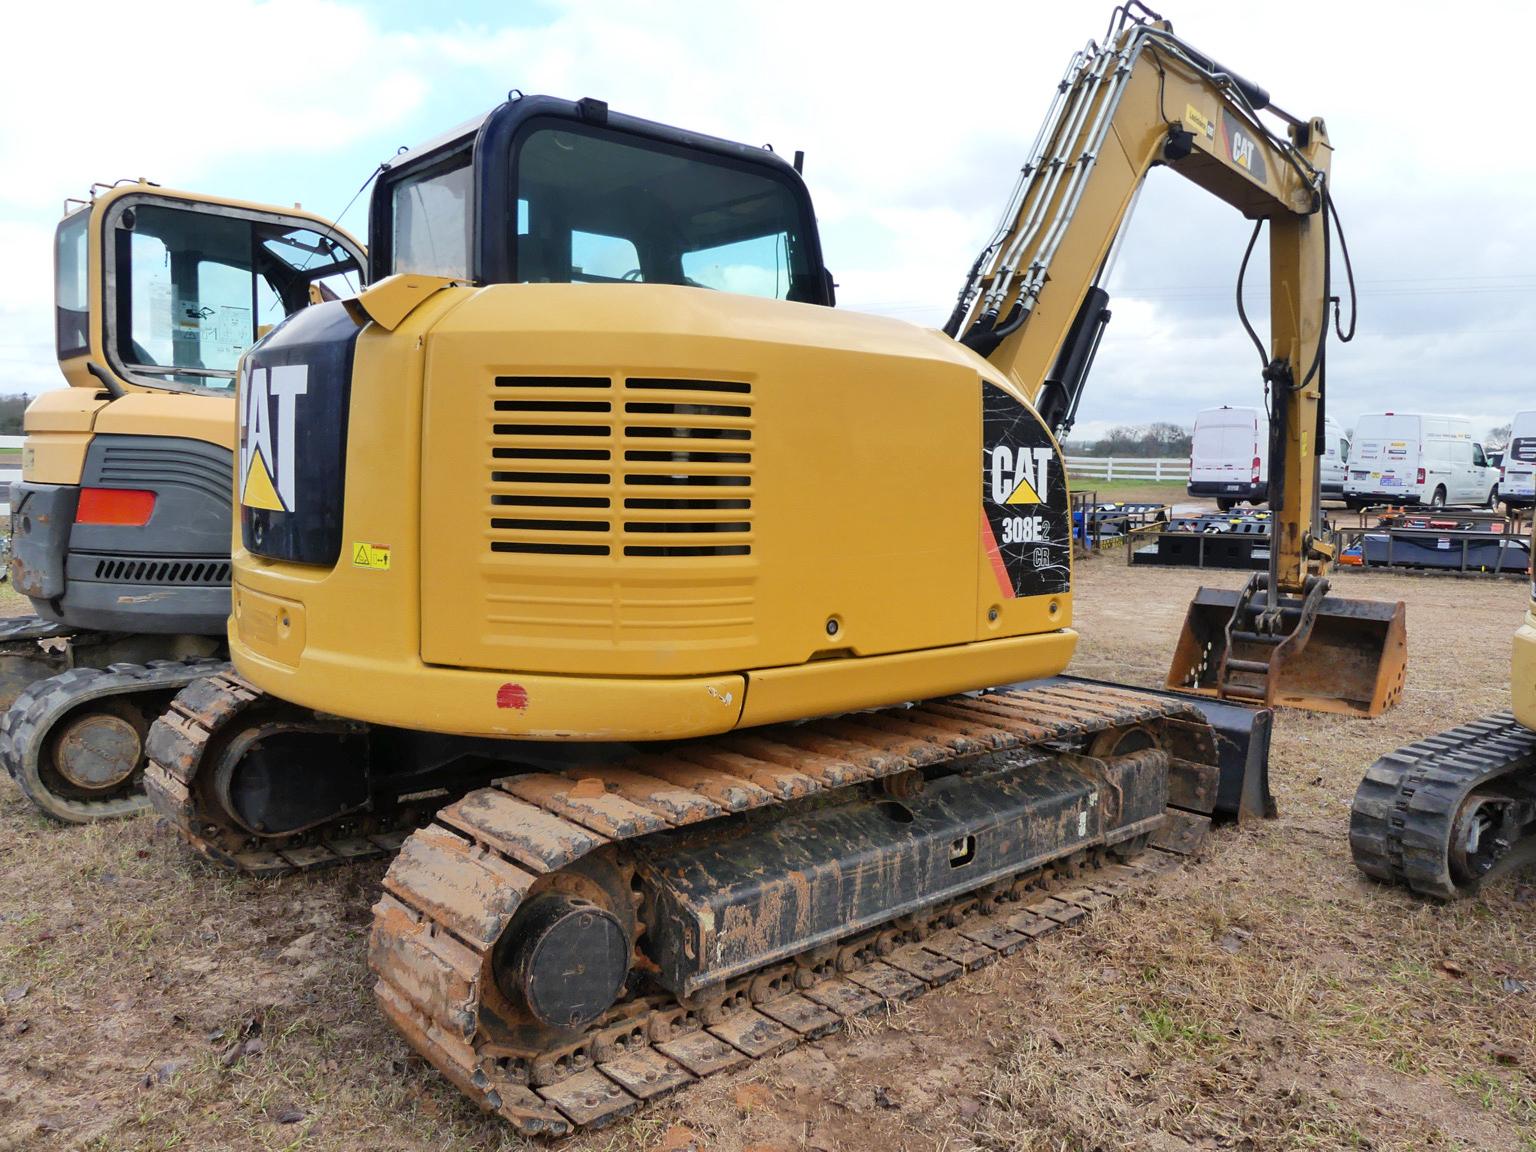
[165,462]
[152,571]
[641,467]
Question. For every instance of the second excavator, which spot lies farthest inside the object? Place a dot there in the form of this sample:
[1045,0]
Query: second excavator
[121,521]
[749,611]
[1450,813]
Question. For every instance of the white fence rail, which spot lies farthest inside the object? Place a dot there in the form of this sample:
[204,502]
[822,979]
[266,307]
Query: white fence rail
[6,476]
[1107,468]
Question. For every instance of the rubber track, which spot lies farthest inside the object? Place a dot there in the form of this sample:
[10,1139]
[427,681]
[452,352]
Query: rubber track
[27,724]
[17,628]
[175,748]
[1401,821]
[456,885]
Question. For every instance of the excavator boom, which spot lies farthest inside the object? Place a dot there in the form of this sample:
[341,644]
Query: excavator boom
[1035,306]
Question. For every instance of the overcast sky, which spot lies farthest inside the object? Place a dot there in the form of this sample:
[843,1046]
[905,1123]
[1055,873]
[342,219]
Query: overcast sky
[914,118]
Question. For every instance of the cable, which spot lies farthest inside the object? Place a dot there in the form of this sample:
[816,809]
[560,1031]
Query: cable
[1349,274]
[336,221]
[1162,76]
[1242,312]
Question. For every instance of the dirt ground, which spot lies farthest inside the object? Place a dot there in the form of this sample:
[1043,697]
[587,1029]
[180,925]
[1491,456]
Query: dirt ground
[1267,997]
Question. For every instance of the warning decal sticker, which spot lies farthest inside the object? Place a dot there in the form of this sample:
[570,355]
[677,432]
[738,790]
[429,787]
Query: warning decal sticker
[375,556]
[1024,521]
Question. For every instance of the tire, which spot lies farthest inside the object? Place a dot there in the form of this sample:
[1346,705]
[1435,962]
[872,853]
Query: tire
[1437,501]
[1493,498]
[1225,504]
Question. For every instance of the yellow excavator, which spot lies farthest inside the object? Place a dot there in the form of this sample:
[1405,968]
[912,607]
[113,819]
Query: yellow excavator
[121,520]
[1445,815]
[593,504]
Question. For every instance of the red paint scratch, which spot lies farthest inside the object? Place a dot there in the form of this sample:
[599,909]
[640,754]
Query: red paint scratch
[512,696]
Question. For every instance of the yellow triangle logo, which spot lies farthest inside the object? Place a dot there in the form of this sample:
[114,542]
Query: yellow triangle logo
[258,491]
[361,556]
[1023,494]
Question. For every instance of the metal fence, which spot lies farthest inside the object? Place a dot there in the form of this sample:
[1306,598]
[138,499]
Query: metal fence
[1080,468]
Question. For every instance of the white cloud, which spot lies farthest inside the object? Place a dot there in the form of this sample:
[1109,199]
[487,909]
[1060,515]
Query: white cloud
[168,90]
[914,121]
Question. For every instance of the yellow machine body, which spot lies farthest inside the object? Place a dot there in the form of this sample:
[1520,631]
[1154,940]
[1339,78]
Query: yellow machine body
[61,424]
[1522,672]
[858,566]
[849,572]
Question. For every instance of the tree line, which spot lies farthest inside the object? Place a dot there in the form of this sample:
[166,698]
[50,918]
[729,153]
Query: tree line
[11,410]
[1144,441]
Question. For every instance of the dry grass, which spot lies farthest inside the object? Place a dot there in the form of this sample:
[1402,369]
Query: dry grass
[1269,998]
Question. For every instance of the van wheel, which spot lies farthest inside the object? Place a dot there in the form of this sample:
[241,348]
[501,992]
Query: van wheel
[1224,504]
[1493,498]
[1438,499]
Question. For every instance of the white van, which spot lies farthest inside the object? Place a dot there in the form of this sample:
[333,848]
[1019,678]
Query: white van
[1229,457]
[1335,460]
[1518,487]
[1417,458]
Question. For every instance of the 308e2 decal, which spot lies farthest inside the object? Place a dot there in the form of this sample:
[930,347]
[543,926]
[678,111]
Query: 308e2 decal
[1024,522]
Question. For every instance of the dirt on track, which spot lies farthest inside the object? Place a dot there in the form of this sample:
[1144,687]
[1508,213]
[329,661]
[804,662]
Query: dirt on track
[1267,998]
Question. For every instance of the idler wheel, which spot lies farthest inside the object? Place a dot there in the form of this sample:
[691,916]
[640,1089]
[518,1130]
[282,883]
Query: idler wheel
[97,749]
[565,959]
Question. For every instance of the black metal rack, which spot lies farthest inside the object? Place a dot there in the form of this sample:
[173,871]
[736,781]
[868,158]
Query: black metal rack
[1237,540]
[1444,540]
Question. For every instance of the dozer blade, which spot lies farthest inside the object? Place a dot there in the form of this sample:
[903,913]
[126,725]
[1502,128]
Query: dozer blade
[1241,730]
[1311,651]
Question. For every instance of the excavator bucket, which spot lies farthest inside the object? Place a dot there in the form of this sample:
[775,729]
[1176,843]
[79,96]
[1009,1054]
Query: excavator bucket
[1312,651]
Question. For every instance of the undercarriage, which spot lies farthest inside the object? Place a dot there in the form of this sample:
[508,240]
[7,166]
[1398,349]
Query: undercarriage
[584,934]
[78,706]
[1447,814]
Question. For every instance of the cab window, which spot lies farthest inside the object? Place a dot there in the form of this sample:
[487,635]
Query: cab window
[195,288]
[71,301]
[595,207]
[430,215]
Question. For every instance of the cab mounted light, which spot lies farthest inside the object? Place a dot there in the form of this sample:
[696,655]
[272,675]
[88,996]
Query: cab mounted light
[130,507]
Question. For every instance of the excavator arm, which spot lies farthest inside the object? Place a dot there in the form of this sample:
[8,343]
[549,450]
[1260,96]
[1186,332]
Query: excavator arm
[1034,304]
